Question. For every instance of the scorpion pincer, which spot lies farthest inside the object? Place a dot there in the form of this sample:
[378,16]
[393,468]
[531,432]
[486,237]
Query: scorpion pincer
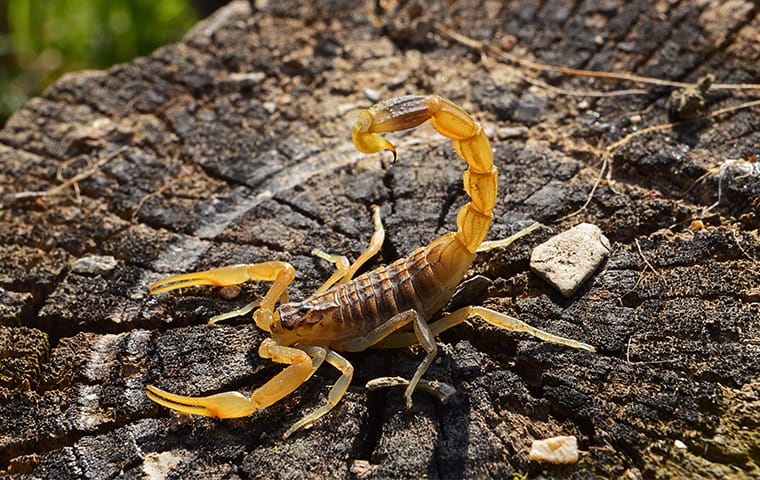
[375,309]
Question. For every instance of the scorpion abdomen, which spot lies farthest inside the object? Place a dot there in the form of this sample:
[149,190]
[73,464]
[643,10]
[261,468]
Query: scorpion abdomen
[424,281]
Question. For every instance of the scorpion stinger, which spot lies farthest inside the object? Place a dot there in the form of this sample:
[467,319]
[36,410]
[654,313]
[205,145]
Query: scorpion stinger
[376,308]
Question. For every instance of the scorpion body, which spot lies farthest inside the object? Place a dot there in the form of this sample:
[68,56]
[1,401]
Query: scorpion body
[422,282]
[373,309]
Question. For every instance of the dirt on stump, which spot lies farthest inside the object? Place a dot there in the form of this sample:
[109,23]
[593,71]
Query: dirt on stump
[233,146]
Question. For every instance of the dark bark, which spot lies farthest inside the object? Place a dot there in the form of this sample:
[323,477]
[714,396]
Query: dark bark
[238,150]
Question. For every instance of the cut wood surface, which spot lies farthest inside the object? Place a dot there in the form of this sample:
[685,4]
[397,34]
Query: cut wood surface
[233,146]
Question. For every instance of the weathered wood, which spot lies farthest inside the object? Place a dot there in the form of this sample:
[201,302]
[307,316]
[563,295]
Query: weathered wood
[238,151]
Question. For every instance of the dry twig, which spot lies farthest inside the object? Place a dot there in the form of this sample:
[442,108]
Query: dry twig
[71,182]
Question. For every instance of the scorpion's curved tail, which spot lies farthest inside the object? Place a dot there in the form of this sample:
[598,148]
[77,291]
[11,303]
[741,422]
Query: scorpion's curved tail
[470,142]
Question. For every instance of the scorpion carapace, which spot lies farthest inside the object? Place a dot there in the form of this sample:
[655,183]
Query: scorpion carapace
[375,309]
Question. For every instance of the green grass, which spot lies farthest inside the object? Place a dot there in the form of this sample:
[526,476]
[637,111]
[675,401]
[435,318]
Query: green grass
[42,39]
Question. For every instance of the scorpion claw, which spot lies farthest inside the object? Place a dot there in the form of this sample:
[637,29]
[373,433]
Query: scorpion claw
[177,282]
[221,405]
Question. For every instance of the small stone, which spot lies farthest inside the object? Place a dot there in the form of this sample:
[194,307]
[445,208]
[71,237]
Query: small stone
[248,78]
[560,450]
[505,133]
[362,468]
[679,444]
[94,265]
[160,465]
[508,42]
[567,260]
[270,107]
[372,94]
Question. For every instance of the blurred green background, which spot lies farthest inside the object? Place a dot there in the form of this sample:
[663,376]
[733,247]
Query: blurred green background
[42,39]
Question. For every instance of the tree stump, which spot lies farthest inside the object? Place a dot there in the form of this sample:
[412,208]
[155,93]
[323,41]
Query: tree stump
[233,146]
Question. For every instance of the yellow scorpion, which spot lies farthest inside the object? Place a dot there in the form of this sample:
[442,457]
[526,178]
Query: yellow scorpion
[375,309]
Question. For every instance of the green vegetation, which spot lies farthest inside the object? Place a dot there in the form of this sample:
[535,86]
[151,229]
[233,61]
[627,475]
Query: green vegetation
[41,39]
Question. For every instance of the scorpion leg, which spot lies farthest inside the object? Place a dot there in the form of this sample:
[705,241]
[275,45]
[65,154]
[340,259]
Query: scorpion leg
[491,244]
[344,272]
[337,391]
[500,320]
[506,322]
[426,338]
[239,312]
[235,404]
[341,267]
[497,319]
[422,335]
[358,344]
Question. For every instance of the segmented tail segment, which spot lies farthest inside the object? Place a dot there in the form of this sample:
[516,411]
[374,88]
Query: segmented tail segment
[470,142]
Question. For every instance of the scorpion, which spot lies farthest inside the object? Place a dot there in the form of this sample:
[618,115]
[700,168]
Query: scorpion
[374,309]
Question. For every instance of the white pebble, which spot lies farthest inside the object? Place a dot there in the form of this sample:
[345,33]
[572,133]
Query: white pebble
[94,265]
[511,132]
[567,260]
[372,94]
[561,450]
